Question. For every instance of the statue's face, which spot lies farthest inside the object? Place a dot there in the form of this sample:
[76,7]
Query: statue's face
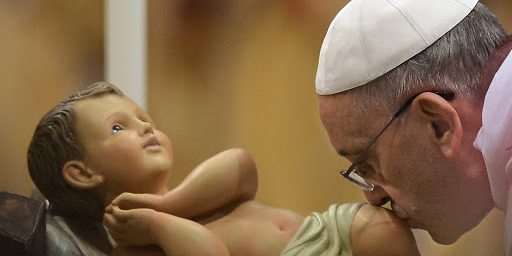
[122,143]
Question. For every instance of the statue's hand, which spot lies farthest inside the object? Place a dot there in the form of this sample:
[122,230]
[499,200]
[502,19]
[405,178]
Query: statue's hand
[130,227]
[128,201]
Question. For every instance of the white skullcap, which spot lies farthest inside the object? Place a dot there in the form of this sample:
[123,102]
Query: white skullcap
[368,38]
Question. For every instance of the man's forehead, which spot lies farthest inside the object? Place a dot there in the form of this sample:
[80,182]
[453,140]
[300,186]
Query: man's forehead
[333,107]
[337,112]
[348,130]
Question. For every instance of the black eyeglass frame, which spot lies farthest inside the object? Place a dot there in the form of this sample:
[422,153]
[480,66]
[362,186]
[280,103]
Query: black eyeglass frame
[360,181]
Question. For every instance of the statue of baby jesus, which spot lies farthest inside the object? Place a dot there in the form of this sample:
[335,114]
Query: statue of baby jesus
[120,160]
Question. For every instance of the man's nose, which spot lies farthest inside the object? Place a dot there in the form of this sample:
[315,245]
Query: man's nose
[377,196]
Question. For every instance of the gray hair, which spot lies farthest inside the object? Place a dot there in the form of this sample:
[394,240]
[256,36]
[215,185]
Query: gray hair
[453,63]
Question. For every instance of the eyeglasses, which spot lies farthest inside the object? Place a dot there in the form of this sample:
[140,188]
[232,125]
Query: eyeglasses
[354,173]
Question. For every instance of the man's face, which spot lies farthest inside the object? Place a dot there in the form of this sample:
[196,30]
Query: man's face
[426,189]
[122,143]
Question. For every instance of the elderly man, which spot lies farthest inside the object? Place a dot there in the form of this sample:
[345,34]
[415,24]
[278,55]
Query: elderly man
[417,94]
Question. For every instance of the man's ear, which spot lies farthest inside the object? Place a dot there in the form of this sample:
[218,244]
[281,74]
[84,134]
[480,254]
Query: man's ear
[77,175]
[442,121]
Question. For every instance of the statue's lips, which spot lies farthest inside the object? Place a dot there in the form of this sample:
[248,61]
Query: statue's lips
[152,144]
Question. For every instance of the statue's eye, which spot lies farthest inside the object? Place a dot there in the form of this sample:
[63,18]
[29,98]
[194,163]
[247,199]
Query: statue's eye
[116,128]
